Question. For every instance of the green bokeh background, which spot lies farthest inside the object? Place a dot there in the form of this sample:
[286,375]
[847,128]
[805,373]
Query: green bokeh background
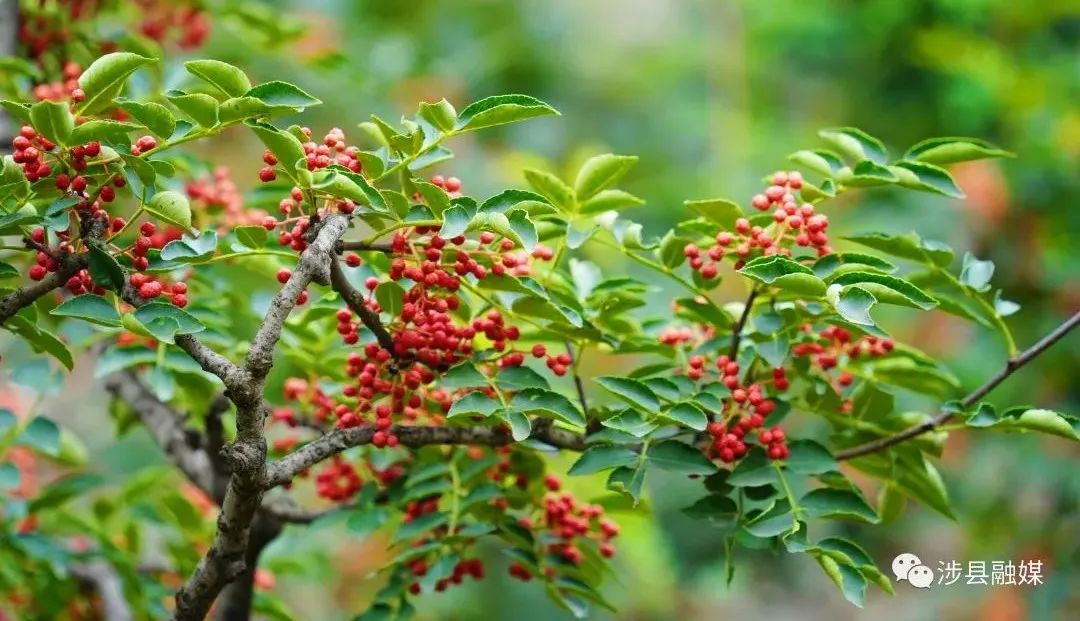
[712,95]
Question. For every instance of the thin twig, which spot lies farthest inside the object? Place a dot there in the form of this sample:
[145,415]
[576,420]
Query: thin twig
[737,329]
[361,246]
[1011,366]
[356,302]
[283,470]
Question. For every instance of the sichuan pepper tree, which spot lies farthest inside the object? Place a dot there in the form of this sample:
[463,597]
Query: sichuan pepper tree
[362,329]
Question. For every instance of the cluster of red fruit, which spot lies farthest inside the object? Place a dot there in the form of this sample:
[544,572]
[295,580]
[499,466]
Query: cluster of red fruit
[792,224]
[828,348]
[337,481]
[28,150]
[164,20]
[463,568]
[332,150]
[217,194]
[40,31]
[743,412]
[62,90]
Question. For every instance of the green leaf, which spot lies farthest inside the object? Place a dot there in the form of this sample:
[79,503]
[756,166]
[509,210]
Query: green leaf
[519,378]
[953,149]
[785,274]
[283,94]
[172,207]
[185,321]
[541,402]
[631,391]
[718,210]
[520,427]
[551,188]
[676,456]
[1039,420]
[601,171]
[755,469]
[907,246]
[230,81]
[771,525]
[686,414]
[440,114]
[926,177]
[473,404]
[105,270]
[856,144]
[868,174]
[501,109]
[9,476]
[89,307]
[976,274]
[455,221]
[631,422]
[604,457]
[104,79]
[156,117]
[850,582]
[102,130]
[53,120]
[369,195]
[41,340]
[42,435]
[501,224]
[464,375]
[842,503]
[609,200]
[190,249]
[830,263]
[251,236]
[888,289]
[809,457]
[8,271]
[391,297]
[199,107]
[64,489]
[819,160]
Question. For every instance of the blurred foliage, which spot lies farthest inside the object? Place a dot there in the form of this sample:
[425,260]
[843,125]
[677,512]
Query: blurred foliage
[711,95]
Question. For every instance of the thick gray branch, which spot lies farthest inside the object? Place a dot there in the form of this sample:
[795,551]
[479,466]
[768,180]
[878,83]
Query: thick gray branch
[283,470]
[314,265]
[227,557]
[27,295]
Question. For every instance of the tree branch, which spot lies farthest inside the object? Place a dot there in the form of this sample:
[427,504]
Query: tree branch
[227,557]
[1011,366]
[314,265]
[103,579]
[236,599]
[283,470]
[361,246]
[25,296]
[356,302]
[165,426]
[737,329]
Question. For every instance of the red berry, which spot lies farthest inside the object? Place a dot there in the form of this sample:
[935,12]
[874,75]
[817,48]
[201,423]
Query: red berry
[283,276]
[37,272]
[267,174]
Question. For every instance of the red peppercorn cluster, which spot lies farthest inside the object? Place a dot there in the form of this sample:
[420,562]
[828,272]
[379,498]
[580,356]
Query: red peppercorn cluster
[28,150]
[62,90]
[337,481]
[218,195]
[332,150]
[41,31]
[834,345]
[452,185]
[793,225]
[168,21]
